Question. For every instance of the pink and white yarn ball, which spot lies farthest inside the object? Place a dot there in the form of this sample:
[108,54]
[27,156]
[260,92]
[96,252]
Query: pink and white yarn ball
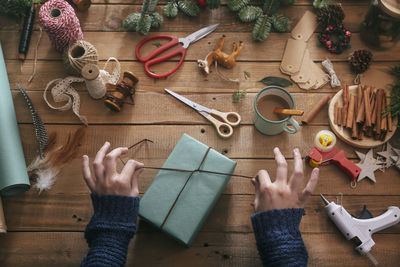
[60,22]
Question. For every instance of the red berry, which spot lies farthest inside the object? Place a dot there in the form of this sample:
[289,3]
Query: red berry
[330,27]
[328,43]
[202,2]
[348,34]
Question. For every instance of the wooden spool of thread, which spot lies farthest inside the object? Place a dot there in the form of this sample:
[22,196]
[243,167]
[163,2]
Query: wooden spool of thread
[94,83]
[82,5]
[124,89]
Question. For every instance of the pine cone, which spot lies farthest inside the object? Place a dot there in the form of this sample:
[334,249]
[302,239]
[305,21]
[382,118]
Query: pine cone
[359,60]
[330,15]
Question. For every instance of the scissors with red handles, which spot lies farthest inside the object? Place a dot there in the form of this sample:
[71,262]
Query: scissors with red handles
[153,57]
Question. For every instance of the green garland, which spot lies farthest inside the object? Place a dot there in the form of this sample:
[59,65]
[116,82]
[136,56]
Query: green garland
[394,107]
[16,8]
[144,21]
[266,19]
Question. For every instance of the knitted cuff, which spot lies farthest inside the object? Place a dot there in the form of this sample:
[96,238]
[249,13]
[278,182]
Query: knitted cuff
[113,208]
[286,220]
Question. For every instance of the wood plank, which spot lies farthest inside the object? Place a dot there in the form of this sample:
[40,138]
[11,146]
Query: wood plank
[332,181]
[147,109]
[71,212]
[223,2]
[209,249]
[110,18]
[189,78]
[122,44]
[254,145]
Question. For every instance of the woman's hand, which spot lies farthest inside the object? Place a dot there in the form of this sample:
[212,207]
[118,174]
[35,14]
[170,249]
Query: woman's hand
[106,180]
[283,193]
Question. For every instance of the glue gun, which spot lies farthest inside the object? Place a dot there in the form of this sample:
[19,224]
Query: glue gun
[360,230]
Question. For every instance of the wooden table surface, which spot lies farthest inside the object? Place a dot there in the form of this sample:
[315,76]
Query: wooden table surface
[47,229]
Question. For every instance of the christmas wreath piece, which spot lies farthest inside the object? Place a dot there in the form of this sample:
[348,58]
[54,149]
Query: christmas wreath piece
[343,39]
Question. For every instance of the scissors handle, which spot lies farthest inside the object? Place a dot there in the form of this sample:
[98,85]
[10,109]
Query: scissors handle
[173,41]
[223,129]
[231,118]
[178,51]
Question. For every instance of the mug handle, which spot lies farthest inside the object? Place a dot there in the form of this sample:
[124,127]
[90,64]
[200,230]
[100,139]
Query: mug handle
[295,125]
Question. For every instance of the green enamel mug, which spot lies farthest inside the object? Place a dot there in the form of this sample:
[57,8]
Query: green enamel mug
[269,127]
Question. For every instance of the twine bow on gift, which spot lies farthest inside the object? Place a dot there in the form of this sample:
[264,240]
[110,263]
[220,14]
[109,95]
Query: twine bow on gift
[328,66]
[187,180]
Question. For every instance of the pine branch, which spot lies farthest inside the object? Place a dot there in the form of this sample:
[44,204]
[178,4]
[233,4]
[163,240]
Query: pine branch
[271,6]
[213,4]
[156,20]
[262,28]
[280,23]
[131,21]
[171,9]
[250,13]
[142,22]
[236,5]
[189,7]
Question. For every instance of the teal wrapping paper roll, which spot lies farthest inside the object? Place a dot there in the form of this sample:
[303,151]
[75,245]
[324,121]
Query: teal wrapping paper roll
[13,175]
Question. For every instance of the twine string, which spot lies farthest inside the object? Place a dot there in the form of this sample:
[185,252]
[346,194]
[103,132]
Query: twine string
[183,170]
[328,66]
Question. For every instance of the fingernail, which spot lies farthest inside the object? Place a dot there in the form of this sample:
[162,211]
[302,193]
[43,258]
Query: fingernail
[106,143]
[276,149]
[296,150]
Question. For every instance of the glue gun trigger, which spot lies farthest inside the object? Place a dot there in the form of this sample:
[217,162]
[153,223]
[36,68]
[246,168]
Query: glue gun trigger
[365,214]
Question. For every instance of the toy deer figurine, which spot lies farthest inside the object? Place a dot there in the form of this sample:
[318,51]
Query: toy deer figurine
[228,61]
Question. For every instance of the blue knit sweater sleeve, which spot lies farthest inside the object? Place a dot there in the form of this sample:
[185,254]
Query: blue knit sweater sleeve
[278,237]
[112,226]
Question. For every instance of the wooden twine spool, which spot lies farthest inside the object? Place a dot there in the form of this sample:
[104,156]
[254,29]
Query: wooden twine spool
[78,55]
[124,89]
[82,5]
[94,83]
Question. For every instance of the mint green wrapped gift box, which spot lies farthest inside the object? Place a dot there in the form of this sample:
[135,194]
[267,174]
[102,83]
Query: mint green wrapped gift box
[182,217]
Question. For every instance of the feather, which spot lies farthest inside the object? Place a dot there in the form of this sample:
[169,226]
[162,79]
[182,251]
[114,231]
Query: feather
[44,170]
[40,129]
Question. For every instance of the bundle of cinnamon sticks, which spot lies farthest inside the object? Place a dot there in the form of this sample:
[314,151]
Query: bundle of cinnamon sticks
[364,113]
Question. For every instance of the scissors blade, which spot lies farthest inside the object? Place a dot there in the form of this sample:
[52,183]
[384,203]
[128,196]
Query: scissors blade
[199,108]
[198,35]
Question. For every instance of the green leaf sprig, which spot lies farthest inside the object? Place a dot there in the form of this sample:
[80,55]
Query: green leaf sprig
[238,95]
[272,80]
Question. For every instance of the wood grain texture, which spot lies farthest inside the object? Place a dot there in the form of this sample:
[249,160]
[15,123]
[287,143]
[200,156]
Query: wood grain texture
[270,50]
[72,212]
[189,79]
[209,249]
[110,18]
[46,229]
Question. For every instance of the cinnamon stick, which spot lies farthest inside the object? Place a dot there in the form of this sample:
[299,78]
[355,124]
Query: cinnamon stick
[340,116]
[335,113]
[367,108]
[389,115]
[373,108]
[314,111]
[379,95]
[350,112]
[345,95]
[293,112]
[361,109]
[354,130]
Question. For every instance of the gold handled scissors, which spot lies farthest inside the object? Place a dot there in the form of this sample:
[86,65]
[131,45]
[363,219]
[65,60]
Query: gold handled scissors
[224,127]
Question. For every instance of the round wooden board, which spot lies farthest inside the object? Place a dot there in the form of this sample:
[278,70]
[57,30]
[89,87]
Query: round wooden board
[345,134]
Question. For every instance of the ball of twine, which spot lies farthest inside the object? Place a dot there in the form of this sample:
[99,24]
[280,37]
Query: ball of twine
[77,55]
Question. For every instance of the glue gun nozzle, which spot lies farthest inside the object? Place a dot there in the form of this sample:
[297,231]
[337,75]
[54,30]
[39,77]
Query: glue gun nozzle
[324,199]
